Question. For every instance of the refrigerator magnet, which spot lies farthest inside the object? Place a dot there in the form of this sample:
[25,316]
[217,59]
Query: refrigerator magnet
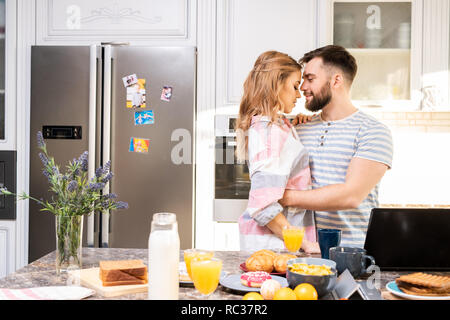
[136,95]
[143,117]
[129,80]
[139,145]
[166,93]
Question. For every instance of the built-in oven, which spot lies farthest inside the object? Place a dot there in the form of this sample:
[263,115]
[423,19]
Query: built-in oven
[232,182]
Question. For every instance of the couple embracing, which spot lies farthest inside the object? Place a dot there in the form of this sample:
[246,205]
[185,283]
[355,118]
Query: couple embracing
[318,172]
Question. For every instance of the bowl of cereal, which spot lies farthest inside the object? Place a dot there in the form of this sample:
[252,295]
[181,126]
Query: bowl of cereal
[320,273]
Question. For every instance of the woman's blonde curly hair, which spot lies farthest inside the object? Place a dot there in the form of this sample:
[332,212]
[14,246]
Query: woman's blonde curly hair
[261,94]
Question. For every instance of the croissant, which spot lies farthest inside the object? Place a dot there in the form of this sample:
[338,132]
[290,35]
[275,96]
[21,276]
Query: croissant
[260,262]
[280,262]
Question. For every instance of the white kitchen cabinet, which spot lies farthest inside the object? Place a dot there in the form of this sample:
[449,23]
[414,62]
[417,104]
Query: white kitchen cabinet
[143,22]
[7,247]
[401,48]
[7,122]
[226,236]
[385,37]
[7,75]
[245,29]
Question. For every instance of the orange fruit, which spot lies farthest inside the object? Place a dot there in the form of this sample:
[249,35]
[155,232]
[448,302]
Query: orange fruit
[285,294]
[252,296]
[305,291]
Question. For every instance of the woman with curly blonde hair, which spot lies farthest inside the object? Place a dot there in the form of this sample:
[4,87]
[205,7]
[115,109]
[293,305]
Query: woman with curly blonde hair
[276,158]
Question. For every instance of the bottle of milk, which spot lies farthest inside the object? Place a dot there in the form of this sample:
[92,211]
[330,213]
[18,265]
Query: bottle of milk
[163,257]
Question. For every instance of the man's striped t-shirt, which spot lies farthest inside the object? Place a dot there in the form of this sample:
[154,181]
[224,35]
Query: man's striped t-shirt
[331,146]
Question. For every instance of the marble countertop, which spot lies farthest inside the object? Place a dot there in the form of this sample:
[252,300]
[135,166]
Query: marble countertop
[42,272]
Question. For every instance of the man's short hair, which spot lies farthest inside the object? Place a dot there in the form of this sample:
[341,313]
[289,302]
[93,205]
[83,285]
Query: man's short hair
[335,56]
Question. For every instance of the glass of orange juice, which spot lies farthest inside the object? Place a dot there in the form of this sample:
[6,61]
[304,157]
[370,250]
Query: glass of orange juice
[293,238]
[190,254]
[206,275]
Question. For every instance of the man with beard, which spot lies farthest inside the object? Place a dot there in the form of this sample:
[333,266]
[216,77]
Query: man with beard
[349,150]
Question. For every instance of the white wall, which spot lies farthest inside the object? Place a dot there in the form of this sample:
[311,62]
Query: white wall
[421,169]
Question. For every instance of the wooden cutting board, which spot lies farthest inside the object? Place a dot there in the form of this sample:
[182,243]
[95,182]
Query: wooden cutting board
[90,278]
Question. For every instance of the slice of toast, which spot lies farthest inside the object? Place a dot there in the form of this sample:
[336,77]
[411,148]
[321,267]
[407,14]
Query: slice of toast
[425,284]
[122,272]
[421,291]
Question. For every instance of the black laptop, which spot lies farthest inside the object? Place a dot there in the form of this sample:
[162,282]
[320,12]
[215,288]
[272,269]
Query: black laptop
[409,239]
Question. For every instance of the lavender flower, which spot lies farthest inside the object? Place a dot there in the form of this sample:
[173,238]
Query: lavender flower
[46,174]
[72,186]
[40,140]
[99,172]
[76,172]
[108,177]
[96,186]
[107,166]
[43,158]
[121,205]
[55,170]
[84,161]
[74,190]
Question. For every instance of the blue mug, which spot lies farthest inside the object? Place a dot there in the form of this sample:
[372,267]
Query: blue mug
[328,238]
[356,260]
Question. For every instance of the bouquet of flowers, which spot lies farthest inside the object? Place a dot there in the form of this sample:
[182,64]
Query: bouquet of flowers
[75,195]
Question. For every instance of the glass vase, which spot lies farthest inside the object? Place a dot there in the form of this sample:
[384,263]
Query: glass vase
[69,234]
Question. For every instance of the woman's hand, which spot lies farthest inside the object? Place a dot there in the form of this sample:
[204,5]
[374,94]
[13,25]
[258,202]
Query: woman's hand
[302,118]
[277,224]
[286,200]
[310,247]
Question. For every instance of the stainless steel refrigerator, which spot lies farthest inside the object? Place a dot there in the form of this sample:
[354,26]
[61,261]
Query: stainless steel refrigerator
[79,102]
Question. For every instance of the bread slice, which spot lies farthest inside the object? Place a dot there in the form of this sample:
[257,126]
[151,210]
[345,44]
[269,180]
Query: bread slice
[122,272]
[426,280]
[424,284]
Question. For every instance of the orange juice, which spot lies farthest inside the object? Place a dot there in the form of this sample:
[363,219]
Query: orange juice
[195,253]
[206,274]
[293,237]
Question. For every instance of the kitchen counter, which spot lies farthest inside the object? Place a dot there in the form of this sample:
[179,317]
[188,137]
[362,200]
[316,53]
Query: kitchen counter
[42,272]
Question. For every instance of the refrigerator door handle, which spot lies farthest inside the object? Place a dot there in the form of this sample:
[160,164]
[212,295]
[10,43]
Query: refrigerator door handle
[92,131]
[106,135]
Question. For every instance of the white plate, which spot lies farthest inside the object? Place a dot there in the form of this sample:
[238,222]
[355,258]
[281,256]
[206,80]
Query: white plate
[233,281]
[392,288]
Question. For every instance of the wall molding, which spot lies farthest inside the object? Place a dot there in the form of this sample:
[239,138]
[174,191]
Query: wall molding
[205,139]
[436,48]
[7,247]
[25,39]
[4,251]
[9,143]
[107,21]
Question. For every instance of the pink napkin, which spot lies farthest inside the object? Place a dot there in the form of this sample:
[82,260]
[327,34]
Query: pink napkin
[46,293]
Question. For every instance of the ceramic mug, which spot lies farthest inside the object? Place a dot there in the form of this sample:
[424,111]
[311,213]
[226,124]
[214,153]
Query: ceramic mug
[353,259]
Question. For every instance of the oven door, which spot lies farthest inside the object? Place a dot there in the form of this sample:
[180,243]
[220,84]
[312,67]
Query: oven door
[232,183]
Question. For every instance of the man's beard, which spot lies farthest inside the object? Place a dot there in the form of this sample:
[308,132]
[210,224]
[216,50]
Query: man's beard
[320,100]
